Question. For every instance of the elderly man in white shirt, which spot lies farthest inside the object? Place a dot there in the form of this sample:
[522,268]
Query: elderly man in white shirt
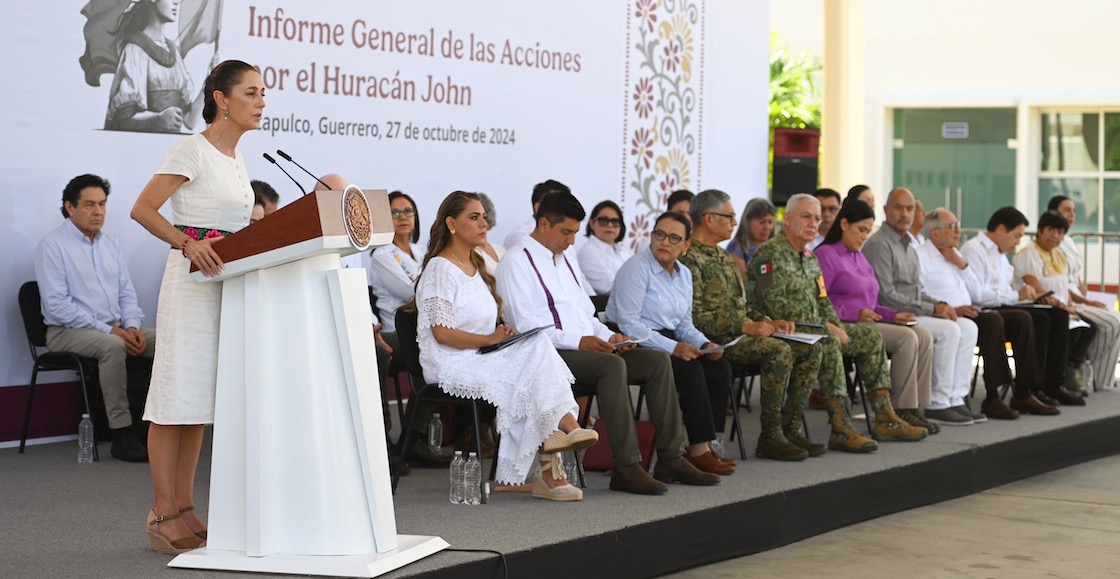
[539,287]
[947,276]
[985,254]
[897,269]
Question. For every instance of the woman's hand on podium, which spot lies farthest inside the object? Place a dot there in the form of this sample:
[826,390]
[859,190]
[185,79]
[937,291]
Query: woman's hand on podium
[203,255]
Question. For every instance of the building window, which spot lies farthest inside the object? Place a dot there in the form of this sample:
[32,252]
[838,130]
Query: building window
[1081,160]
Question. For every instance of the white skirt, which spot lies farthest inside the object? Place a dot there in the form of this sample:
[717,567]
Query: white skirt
[185,370]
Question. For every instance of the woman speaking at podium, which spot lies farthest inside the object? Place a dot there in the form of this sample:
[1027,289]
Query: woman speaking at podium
[458,310]
[204,177]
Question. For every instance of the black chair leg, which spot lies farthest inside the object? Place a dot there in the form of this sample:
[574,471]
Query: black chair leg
[397,386]
[406,434]
[582,421]
[975,375]
[27,412]
[641,400]
[736,428]
[862,390]
[478,452]
[749,392]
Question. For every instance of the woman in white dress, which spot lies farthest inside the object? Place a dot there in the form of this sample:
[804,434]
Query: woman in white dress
[603,253]
[204,177]
[1106,346]
[458,313]
[393,268]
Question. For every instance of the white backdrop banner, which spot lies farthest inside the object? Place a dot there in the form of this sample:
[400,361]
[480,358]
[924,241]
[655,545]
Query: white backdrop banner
[624,99]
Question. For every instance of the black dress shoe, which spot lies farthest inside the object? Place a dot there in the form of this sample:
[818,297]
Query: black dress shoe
[682,471]
[395,461]
[1045,399]
[419,453]
[632,478]
[126,446]
[1067,399]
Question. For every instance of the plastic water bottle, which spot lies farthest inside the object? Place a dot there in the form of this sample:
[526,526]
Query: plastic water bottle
[85,440]
[1087,377]
[472,494]
[717,444]
[435,435]
[458,479]
[571,469]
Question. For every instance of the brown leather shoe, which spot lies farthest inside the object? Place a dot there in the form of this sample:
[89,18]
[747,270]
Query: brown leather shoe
[816,400]
[728,461]
[1032,405]
[915,418]
[632,478]
[995,409]
[710,462]
[680,470]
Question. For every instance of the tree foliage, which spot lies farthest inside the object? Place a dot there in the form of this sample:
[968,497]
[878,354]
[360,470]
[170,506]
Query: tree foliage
[795,96]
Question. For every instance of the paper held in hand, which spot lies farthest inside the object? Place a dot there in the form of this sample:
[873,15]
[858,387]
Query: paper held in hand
[714,349]
[628,343]
[801,337]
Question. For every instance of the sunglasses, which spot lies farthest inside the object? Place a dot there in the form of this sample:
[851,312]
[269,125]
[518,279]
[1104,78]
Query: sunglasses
[609,221]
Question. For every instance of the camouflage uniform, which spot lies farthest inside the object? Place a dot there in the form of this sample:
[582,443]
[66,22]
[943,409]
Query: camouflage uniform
[786,284]
[719,309]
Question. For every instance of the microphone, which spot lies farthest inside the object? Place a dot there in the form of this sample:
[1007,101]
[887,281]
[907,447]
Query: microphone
[293,161]
[269,158]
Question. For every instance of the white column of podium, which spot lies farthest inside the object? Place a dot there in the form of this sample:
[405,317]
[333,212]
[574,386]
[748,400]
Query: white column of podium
[299,481]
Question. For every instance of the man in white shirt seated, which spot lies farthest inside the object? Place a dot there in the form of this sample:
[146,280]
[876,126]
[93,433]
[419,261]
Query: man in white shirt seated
[948,276]
[539,287]
[898,271]
[89,303]
[985,255]
[830,207]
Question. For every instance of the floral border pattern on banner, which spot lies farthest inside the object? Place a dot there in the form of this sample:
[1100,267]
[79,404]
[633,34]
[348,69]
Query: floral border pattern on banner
[663,134]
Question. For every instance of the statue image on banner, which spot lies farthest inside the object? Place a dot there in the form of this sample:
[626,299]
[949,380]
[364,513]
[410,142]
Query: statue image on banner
[152,90]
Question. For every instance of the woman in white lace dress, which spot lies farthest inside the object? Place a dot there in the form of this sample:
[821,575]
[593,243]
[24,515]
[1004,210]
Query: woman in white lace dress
[458,313]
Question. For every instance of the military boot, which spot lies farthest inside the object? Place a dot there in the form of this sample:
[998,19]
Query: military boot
[844,436]
[772,442]
[888,426]
[792,420]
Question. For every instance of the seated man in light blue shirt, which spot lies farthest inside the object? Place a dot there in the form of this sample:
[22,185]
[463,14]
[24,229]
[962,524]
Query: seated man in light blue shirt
[89,304]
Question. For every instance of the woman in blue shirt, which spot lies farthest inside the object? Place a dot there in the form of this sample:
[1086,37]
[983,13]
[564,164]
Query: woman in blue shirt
[652,300]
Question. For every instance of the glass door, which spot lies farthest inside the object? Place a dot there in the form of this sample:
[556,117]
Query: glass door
[959,159]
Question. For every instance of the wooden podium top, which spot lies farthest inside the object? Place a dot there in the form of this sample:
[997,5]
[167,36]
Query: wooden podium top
[311,225]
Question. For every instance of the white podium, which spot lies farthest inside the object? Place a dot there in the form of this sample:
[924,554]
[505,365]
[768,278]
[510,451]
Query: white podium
[300,482]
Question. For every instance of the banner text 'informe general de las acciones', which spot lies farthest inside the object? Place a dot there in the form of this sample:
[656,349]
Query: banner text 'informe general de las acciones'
[361,34]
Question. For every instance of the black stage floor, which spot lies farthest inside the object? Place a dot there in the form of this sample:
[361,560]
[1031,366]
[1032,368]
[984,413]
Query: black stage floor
[61,519]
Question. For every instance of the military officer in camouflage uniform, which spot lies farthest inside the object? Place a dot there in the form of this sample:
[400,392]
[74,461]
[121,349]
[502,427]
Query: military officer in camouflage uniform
[719,310]
[784,281]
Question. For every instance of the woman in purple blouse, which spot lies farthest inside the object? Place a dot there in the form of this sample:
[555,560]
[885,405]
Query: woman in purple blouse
[851,284]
